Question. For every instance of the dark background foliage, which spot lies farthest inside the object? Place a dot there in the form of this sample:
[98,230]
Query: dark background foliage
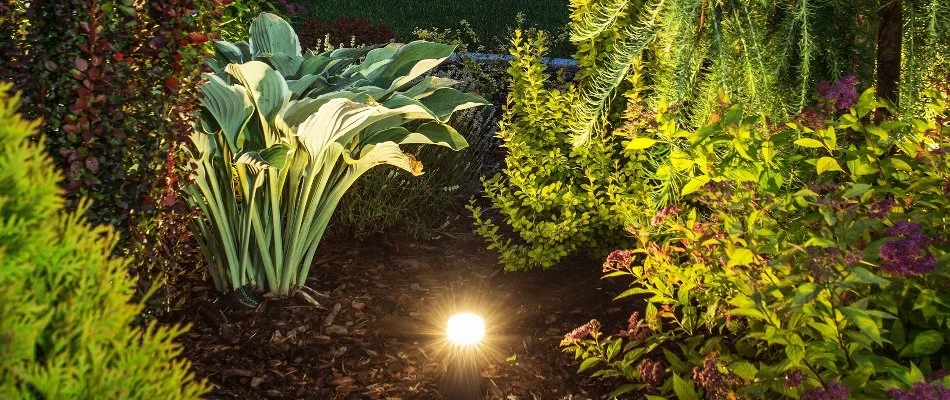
[113,84]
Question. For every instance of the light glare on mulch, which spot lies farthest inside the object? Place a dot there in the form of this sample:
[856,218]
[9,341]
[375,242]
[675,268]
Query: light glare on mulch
[466,329]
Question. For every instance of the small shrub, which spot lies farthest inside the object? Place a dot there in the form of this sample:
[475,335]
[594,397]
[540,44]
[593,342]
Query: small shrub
[557,199]
[801,260]
[65,312]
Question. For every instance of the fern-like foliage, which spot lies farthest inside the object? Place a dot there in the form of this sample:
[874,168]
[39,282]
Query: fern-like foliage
[597,17]
[609,71]
[770,56]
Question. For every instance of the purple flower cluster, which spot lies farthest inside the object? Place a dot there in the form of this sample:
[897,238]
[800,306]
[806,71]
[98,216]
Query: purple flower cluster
[618,259]
[717,385]
[880,208]
[651,372]
[821,260]
[833,390]
[922,391]
[908,254]
[843,94]
[636,329]
[664,214]
[582,331]
[795,378]
[292,9]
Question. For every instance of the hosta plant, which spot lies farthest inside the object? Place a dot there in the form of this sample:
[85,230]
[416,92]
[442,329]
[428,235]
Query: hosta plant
[284,134]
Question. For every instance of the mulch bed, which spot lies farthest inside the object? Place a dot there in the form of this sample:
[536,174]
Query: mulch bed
[376,332]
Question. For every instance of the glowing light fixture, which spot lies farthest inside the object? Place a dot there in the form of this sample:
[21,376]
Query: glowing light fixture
[466,329]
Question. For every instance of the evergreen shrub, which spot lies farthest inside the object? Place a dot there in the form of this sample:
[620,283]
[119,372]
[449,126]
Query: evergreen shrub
[66,316]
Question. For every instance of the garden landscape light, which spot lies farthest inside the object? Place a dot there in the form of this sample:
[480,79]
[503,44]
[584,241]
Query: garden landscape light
[465,329]
[462,380]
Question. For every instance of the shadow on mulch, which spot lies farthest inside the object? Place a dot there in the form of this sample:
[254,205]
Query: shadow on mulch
[376,332]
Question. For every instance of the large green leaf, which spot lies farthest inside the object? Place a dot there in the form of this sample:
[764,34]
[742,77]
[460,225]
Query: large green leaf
[429,133]
[229,105]
[445,101]
[271,34]
[266,86]
[413,60]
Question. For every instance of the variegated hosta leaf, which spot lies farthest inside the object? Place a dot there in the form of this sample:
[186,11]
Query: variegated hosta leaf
[274,157]
[312,111]
[375,62]
[333,120]
[300,87]
[429,133]
[204,143]
[229,105]
[446,101]
[271,34]
[229,52]
[286,64]
[428,85]
[383,153]
[411,61]
[265,85]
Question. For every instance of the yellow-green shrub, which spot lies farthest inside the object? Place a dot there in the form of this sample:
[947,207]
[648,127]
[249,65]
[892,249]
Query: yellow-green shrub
[65,317]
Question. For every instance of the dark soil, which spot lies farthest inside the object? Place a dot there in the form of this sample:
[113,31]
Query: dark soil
[377,331]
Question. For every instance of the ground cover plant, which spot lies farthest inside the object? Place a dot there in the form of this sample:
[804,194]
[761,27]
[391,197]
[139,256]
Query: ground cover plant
[285,134]
[65,302]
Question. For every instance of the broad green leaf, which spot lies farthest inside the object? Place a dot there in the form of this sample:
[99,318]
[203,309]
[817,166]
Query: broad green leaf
[826,164]
[805,293]
[446,101]
[809,143]
[271,34]
[740,257]
[266,86]
[924,344]
[640,143]
[856,190]
[684,389]
[230,106]
[622,390]
[795,353]
[412,60]
[863,321]
[694,184]
[588,363]
[862,275]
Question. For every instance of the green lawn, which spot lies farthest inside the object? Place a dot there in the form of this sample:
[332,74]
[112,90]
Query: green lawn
[489,18]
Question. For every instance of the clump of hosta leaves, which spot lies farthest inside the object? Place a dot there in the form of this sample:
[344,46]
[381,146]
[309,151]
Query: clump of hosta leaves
[284,134]
[802,260]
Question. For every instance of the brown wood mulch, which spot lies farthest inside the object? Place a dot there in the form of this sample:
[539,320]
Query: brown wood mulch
[372,328]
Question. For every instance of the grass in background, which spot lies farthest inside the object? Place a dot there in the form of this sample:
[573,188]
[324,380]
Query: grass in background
[490,19]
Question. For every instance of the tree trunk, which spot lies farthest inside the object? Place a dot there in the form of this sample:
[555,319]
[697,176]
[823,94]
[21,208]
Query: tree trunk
[889,34]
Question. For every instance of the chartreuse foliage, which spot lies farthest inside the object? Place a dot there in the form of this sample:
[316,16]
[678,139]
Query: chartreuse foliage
[805,259]
[767,55]
[283,135]
[559,199]
[65,313]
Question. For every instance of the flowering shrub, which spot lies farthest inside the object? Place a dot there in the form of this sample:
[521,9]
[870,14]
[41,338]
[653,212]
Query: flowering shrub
[806,260]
